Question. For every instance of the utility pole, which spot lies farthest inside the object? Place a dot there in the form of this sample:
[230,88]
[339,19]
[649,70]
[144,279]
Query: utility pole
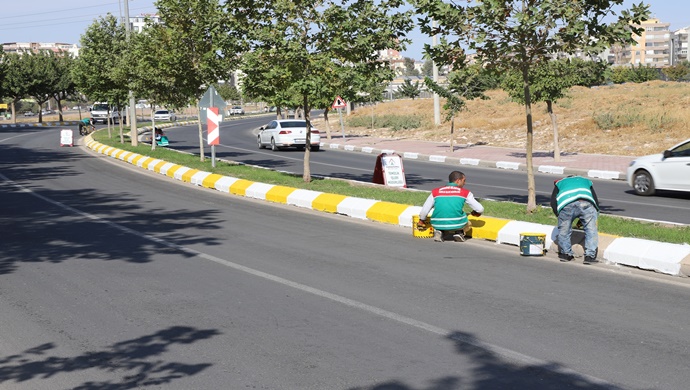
[132,111]
[437,102]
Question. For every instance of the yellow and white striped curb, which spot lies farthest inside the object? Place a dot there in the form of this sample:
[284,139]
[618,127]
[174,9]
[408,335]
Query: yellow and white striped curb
[673,259]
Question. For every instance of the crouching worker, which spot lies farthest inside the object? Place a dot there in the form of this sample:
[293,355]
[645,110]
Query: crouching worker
[449,219]
[573,197]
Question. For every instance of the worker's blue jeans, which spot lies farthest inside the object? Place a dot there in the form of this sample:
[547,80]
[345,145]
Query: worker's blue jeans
[588,216]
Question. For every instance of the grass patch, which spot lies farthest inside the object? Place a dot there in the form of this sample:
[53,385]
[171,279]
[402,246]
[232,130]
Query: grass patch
[393,122]
[507,210]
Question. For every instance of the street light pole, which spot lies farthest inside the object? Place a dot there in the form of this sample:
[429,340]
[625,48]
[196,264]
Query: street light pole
[132,111]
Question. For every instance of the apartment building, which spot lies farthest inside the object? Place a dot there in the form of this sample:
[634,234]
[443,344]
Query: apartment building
[652,48]
[680,46]
[138,23]
[35,47]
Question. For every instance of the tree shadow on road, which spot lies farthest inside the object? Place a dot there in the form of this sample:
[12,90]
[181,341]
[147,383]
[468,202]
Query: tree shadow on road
[491,371]
[138,362]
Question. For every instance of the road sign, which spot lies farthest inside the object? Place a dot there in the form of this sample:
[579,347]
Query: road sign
[389,170]
[66,138]
[212,126]
[211,98]
[339,103]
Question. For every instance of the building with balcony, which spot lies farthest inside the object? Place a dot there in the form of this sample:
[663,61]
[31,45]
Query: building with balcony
[679,46]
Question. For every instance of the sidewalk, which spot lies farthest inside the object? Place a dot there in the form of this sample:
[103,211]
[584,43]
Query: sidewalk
[588,165]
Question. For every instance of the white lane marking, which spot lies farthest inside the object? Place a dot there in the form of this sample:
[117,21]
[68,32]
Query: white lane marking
[504,352]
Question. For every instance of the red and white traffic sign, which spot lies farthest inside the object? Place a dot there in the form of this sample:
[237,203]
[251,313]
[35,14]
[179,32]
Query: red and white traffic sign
[339,103]
[212,126]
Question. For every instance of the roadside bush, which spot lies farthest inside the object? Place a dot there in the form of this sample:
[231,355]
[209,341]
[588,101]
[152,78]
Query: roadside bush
[393,122]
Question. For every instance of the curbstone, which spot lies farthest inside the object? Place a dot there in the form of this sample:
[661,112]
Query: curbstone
[673,259]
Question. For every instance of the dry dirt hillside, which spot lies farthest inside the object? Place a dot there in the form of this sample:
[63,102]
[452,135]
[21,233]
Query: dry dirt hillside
[628,119]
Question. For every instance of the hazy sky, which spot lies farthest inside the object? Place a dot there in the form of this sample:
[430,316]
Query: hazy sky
[65,21]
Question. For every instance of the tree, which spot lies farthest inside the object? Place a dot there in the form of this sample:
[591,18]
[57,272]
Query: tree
[428,68]
[198,48]
[464,83]
[588,73]
[64,86]
[95,71]
[409,90]
[642,74]
[409,67]
[548,82]
[521,34]
[677,72]
[228,92]
[308,40]
[44,77]
[14,83]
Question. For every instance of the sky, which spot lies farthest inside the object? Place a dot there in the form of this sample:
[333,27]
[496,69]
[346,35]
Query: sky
[65,21]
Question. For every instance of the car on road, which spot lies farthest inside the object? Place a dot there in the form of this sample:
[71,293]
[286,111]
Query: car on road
[669,170]
[284,133]
[236,110]
[164,115]
[29,113]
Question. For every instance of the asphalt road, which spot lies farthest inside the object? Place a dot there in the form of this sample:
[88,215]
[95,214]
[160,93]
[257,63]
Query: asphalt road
[112,277]
[238,143]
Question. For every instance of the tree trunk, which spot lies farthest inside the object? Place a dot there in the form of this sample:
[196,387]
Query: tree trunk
[452,133]
[306,176]
[531,187]
[328,124]
[153,125]
[554,125]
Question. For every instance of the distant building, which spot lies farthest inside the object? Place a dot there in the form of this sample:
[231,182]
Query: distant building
[35,47]
[680,46]
[652,48]
[137,23]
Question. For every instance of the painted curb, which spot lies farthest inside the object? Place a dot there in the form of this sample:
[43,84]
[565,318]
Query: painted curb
[509,165]
[672,259]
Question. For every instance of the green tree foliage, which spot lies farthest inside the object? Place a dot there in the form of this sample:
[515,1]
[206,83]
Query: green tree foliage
[14,85]
[64,87]
[95,71]
[677,72]
[428,68]
[407,89]
[588,73]
[409,67]
[228,91]
[520,34]
[312,41]
[642,74]
[44,77]
[195,48]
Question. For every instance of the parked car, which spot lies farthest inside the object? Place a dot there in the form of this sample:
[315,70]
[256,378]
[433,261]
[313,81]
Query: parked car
[236,110]
[669,170]
[164,115]
[29,113]
[283,133]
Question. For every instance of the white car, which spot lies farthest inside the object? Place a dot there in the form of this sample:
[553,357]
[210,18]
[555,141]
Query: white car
[164,115]
[669,170]
[283,133]
[236,110]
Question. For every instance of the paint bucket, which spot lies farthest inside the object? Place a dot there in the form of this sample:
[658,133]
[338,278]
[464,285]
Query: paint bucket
[425,231]
[532,244]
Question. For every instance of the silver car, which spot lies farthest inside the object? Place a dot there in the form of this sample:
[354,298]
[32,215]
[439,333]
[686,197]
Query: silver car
[283,133]
[164,115]
[669,170]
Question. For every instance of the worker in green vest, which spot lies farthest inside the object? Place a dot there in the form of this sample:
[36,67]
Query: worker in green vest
[574,198]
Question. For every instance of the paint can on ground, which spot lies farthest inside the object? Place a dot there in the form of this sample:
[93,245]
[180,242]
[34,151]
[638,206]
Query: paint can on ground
[425,231]
[532,244]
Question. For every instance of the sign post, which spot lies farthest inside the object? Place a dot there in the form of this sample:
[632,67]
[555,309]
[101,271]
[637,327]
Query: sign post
[213,132]
[340,103]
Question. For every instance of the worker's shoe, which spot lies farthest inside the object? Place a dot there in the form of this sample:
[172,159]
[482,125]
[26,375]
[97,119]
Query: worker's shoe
[459,237]
[565,258]
[438,236]
[590,260]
